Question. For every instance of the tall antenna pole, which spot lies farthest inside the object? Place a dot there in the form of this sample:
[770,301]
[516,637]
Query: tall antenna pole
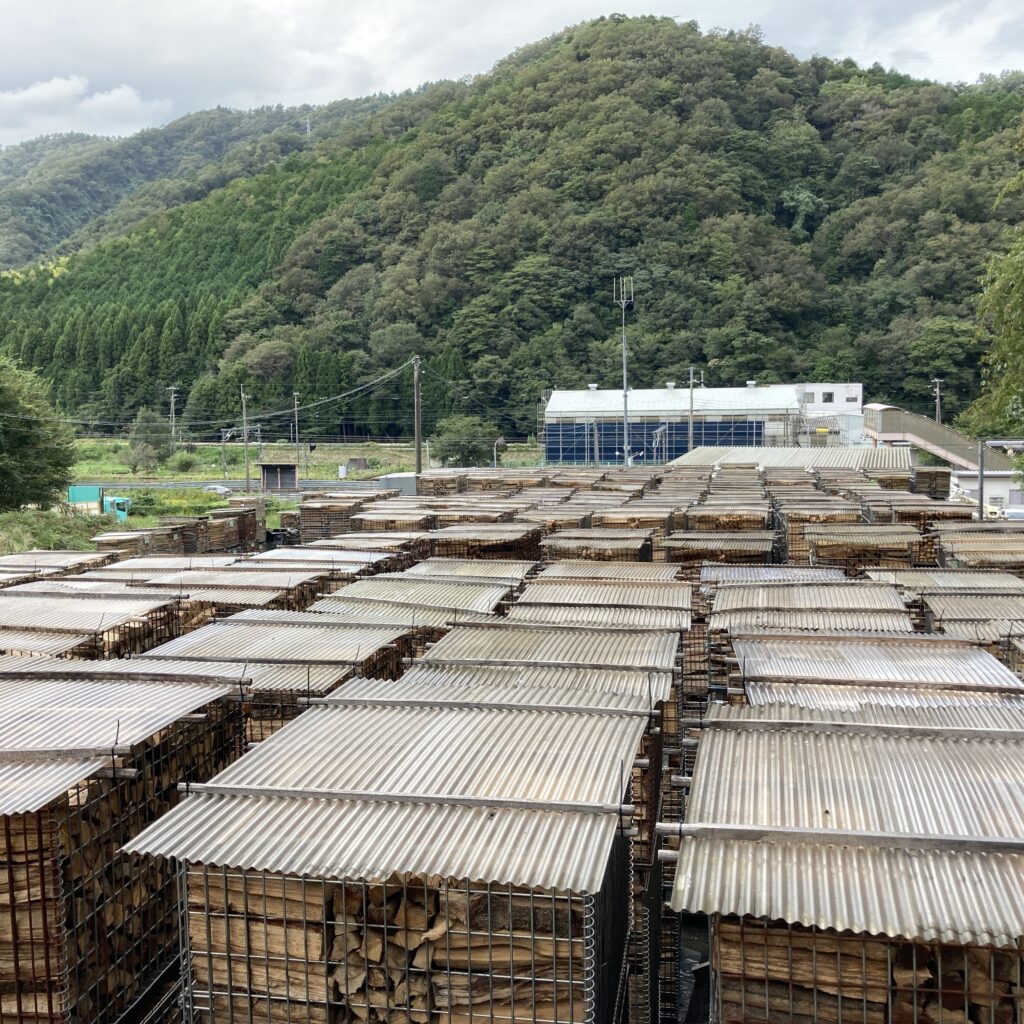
[689,429]
[622,296]
[937,381]
[298,448]
[173,393]
[245,437]
[417,413]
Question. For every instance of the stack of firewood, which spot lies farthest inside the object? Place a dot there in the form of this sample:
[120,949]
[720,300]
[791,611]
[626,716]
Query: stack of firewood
[410,949]
[805,976]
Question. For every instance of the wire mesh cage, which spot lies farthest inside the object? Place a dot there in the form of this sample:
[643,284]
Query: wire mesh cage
[270,947]
[772,971]
[83,929]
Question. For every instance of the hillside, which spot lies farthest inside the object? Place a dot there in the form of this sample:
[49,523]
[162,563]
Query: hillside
[783,219]
[61,191]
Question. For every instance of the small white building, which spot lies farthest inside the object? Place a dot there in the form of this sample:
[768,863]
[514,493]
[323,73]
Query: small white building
[833,399]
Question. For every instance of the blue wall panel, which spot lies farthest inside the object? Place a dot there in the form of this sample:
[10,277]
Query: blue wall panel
[574,442]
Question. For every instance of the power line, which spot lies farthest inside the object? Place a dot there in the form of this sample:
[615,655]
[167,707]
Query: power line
[369,385]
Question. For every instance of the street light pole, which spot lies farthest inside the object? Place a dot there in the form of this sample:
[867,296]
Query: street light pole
[417,415]
[245,438]
[174,394]
[298,449]
[689,429]
[622,296]
[937,381]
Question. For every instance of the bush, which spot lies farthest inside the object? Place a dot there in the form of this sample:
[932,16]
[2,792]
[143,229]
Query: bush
[183,462]
[465,441]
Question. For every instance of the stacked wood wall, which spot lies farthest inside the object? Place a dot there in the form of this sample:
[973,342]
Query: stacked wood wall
[774,973]
[84,930]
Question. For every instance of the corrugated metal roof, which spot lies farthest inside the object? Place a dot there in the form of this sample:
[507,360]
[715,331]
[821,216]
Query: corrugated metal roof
[917,580]
[975,607]
[811,777]
[248,579]
[863,535]
[409,590]
[646,402]
[173,563]
[894,720]
[652,686]
[642,650]
[738,622]
[718,540]
[802,458]
[602,616]
[989,631]
[56,732]
[555,545]
[30,785]
[485,691]
[65,614]
[245,675]
[728,573]
[995,709]
[239,642]
[431,779]
[475,568]
[29,642]
[831,597]
[588,570]
[342,839]
[96,714]
[387,613]
[215,670]
[623,595]
[51,559]
[903,661]
[319,556]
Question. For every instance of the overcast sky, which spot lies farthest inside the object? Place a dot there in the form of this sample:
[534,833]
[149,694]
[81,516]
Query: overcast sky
[115,66]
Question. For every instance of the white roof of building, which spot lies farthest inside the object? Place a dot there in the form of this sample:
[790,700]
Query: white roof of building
[771,398]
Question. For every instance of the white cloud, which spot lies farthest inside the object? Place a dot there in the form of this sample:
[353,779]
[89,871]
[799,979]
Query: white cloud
[67,104]
[114,65]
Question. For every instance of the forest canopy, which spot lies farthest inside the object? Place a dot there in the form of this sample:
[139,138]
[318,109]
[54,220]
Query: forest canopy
[783,220]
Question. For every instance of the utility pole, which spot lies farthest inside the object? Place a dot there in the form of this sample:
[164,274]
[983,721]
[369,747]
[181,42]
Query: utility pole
[981,481]
[298,450]
[937,381]
[417,415]
[622,296]
[173,393]
[245,438]
[689,429]
[225,436]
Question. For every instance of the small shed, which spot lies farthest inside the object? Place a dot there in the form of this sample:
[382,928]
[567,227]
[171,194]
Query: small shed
[279,475]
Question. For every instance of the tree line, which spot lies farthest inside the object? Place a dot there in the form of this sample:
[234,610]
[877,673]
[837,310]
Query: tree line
[782,219]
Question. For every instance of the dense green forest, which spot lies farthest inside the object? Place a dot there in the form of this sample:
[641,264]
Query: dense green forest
[62,191]
[783,220]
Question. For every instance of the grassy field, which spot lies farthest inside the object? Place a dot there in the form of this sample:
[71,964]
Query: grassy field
[103,461]
[55,529]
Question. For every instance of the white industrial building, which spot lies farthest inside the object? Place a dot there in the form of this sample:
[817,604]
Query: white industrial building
[585,426]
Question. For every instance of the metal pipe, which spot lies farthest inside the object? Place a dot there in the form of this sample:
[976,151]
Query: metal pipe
[214,789]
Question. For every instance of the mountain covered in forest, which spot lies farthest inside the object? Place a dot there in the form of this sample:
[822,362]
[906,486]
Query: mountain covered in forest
[59,192]
[783,219]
